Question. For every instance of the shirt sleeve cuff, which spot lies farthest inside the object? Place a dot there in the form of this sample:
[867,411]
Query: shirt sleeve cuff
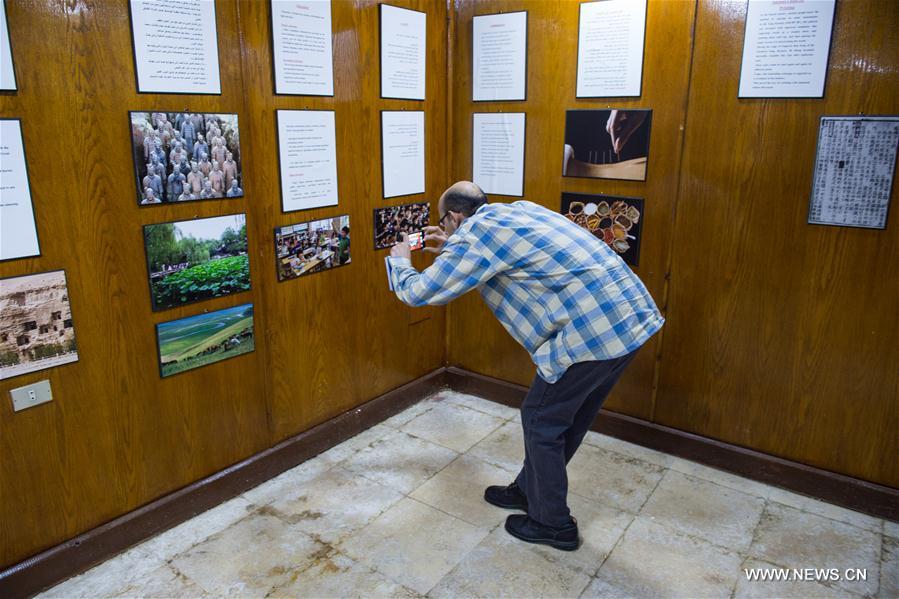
[397,261]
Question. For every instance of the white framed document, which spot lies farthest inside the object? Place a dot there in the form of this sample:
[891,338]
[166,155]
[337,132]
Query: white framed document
[611,35]
[7,68]
[175,47]
[403,152]
[786,46]
[854,171]
[499,51]
[18,232]
[307,158]
[302,56]
[498,152]
[403,45]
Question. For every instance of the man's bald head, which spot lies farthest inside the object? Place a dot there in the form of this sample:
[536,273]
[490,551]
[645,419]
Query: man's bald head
[463,197]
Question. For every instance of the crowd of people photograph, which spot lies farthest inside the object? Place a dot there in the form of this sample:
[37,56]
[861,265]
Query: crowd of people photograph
[185,156]
[390,221]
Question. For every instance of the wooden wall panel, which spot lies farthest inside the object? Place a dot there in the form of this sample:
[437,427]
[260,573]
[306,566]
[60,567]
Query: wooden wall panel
[783,336]
[475,340]
[116,436]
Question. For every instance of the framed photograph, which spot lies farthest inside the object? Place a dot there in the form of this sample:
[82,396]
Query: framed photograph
[7,65]
[855,166]
[36,330]
[607,144]
[616,220]
[18,230]
[610,41]
[786,48]
[499,51]
[175,46]
[403,51]
[312,246]
[196,341]
[185,156]
[408,218]
[302,62]
[193,260]
[307,158]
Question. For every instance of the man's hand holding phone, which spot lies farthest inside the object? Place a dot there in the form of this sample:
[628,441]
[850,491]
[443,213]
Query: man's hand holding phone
[401,249]
[437,235]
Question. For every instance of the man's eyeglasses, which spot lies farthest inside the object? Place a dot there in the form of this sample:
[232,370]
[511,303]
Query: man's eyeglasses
[442,218]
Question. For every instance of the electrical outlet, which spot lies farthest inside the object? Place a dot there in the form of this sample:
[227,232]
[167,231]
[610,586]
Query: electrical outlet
[31,395]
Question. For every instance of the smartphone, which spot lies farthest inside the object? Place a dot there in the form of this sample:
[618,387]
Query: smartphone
[416,240]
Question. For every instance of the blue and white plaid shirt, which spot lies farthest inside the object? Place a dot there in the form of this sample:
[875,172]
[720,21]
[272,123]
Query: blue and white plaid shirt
[559,291]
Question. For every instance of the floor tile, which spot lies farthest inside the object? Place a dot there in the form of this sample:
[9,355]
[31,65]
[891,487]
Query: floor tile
[107,578]
[400,461]
[401,418]
[891,528]
[618,481]
[629,449]
[453,426]
[335,504]
[504,447]
[482,405]
[782,589]
[414,544]
[458,490]
[286,482]
[344,450]
[250,557]
[162,582]
[795,539]
[502,566]
[720,515]
[720,477]
[889,567]
[340,576]
[653,561]
[187,534]
[822,508]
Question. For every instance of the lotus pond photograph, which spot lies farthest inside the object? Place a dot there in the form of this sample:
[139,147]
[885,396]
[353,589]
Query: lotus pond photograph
[195,260]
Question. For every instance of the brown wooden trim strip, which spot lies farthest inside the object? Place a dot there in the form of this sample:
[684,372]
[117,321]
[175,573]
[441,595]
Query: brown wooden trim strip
[77,555]
[856,494]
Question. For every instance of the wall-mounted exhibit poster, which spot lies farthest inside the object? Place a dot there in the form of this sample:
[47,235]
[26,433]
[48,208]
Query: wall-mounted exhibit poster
[307,157]
[498,162]
[18,233]
[301,47]
[606,144]
[410,219]
[616,220]
[854,170]
[785,48]
[189,343]
[610,48]
[402,53]
[403,152]
[499,57]
[7,68]
[193,260]
[36,330]
[184,156]
[313,246]
[176,47]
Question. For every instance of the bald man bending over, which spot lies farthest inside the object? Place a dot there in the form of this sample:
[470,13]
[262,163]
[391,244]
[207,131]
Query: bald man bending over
[564,295]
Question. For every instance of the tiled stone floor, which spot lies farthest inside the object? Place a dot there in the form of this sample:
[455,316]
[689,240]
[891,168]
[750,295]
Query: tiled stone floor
[398,511]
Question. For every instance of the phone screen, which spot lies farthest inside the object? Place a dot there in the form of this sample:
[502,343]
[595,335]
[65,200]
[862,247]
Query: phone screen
[416,240]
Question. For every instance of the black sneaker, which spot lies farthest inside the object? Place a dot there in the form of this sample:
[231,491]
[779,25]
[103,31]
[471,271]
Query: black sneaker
[529,530]
[510,498]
